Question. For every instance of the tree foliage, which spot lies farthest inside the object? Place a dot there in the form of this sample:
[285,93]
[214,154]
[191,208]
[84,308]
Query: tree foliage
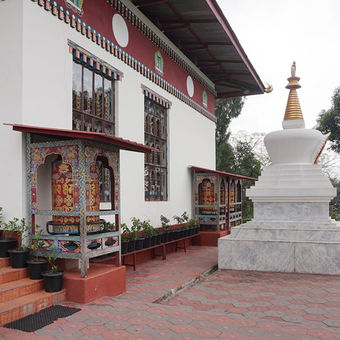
[237,157]
[329,121]
[226,109]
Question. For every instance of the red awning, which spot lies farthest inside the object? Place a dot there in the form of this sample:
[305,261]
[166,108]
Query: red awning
[121,143]
[222,173]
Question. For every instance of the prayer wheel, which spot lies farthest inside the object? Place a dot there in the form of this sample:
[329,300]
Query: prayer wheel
[65,197]
[207,197]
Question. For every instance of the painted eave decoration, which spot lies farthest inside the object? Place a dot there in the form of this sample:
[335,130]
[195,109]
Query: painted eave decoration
[201,31]
[228,174]
[121,143]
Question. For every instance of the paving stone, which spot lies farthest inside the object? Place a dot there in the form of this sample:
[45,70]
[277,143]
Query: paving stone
[332,323]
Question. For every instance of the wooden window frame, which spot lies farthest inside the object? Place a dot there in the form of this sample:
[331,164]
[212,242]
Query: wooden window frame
[92,116]
[149,139]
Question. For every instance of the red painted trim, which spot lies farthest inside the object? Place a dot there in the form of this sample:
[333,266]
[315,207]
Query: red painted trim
[231,35]
[222,173]
[121,143]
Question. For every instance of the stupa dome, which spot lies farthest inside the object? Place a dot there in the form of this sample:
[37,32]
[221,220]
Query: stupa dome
[294,144]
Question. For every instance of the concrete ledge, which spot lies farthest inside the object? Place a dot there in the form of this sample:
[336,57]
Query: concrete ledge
[102,280]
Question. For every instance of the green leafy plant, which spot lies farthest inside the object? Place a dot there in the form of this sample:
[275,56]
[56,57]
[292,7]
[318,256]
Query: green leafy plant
[20,227]
[148,229]
[165,222]
[37,243]
[192,222]
[1,217]
[51,258]
[108,226]
[181,219]
[137,226]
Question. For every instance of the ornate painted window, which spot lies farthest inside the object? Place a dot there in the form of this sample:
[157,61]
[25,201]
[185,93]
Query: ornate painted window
[93,110]
[156,165]
[205,99]
[159,62]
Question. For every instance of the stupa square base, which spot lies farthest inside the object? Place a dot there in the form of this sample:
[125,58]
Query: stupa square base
[291,211]
[282,247]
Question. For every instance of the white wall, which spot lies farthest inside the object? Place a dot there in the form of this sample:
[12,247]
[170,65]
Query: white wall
[47,101]
[12,166]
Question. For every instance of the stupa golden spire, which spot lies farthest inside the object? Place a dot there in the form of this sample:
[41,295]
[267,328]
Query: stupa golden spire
[293,109]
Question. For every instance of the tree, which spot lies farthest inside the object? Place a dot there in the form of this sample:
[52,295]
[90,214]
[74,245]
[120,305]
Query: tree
[226,109]
[329,121]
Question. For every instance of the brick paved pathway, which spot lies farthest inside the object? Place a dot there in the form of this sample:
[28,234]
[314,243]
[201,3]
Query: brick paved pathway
[226,305]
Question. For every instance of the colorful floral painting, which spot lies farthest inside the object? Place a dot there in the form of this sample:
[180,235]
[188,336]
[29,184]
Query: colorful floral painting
[75,5]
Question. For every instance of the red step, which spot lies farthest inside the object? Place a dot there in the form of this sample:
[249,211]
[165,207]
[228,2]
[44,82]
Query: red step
[14,289]
[4,262]
[20,296]
[8,274]
[28,304]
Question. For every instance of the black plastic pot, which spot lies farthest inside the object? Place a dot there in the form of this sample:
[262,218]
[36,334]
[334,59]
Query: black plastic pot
[153,240]
[5,245]
[139,243]
[36,268]
[124,247]
[131,245]
[177,234]
[171,235]
[147,242]
[186,232]
[18,257]
[164,237]
[53,280]
[158,238]
[196,229]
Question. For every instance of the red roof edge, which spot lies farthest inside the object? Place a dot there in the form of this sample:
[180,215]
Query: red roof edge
[216,9]
[222,173]
[121,143]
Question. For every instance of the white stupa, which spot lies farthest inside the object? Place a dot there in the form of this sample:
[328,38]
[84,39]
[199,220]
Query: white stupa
[291,230]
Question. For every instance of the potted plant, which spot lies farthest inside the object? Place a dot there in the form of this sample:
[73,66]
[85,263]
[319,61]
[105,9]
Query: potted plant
[6,242]
[36,265]
[165,228]
[109,227]
[130,236]
[150,234]
[20,255]
[179,233]
[53,278]
[124,244]
[136,228]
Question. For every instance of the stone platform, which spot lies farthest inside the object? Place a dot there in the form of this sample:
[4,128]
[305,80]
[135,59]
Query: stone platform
[278,246]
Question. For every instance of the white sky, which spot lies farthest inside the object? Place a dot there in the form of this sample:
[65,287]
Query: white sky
[274,33]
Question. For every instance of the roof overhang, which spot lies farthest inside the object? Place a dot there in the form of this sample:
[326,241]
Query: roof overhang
[201,31]
[121,143]
[227,174]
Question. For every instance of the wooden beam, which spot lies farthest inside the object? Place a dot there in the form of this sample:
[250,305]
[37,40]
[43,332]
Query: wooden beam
[193,21]
[214,60]
[151,3]
[205,43]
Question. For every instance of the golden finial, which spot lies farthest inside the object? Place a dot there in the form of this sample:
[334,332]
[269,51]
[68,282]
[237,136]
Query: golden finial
[293,109]
[268,89]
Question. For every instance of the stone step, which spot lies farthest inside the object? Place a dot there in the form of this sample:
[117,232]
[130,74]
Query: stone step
[14,289]
[8,274]
[4,262]
[28,304]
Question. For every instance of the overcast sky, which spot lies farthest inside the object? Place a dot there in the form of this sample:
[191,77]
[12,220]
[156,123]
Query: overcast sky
[274,33]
